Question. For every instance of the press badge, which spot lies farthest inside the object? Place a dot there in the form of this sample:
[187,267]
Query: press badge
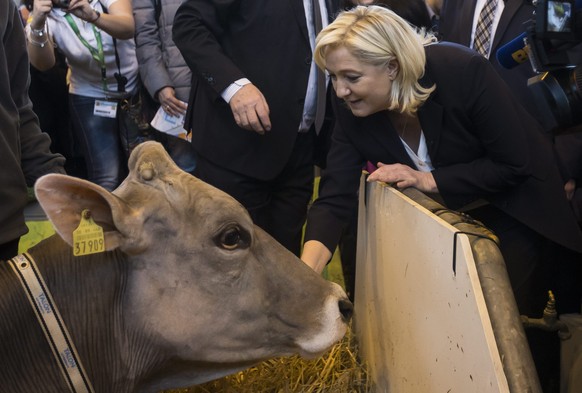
[105,109]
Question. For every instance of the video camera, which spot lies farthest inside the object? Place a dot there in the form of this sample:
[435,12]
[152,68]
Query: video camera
[552,42]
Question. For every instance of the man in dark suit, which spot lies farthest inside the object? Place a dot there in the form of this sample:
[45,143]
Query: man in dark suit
[457,20]
[457,24]
[253,104]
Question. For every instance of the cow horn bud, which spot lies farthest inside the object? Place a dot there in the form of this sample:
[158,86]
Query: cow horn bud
[146,170]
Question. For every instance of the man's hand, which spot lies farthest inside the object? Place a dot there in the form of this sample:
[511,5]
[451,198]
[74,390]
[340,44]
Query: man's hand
[250,109]
[403,176]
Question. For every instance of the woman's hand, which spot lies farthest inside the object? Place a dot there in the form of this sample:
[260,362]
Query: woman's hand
[83,10]
[40,10]
[172,105]
[403,176]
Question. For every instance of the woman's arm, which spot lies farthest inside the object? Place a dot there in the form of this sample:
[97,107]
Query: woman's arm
[40,47]
[117,22]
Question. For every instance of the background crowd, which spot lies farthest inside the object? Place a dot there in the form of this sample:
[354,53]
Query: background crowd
[259,115]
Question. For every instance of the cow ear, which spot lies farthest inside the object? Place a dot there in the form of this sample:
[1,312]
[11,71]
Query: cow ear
[63,198]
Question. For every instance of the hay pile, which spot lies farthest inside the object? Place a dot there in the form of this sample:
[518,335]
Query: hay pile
[338,371]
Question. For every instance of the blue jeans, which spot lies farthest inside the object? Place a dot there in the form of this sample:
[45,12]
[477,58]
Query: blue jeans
[100,142]
[181,151]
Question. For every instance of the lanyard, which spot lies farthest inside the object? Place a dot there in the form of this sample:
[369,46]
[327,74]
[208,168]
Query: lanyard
[96,53]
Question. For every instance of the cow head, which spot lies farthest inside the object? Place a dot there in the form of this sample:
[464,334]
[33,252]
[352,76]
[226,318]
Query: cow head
[206,286]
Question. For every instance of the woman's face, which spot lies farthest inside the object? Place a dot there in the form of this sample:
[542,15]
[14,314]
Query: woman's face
[365,88]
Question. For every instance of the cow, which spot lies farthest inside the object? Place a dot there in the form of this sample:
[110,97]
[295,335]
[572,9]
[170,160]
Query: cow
[186,290]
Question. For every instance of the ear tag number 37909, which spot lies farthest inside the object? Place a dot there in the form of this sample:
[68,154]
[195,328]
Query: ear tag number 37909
[88,237]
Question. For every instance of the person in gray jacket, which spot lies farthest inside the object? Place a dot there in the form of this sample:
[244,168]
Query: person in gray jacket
[24,149]
[163,71]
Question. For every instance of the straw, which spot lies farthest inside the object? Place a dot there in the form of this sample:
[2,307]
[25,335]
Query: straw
[338,371]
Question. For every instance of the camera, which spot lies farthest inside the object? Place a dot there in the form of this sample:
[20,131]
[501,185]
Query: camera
[553,48]
[63,4]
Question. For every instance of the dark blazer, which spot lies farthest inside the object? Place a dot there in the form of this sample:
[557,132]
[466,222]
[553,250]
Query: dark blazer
[265,41]
[482,143]
[456,24]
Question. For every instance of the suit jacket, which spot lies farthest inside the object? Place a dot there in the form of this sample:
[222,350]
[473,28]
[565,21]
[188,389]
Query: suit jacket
[456,24]
[265,41]
[481,141]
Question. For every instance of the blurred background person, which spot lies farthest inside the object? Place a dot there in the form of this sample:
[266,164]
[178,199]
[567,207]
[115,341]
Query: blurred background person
[96,39]
[165,74]
[24,149]
[53,109]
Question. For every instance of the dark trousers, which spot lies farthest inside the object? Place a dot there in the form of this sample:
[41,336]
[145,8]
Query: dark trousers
[279,205]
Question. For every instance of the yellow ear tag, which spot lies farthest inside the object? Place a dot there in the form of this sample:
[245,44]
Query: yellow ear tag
[88,237]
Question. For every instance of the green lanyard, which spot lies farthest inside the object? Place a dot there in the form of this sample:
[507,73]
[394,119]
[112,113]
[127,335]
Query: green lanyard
[97,54]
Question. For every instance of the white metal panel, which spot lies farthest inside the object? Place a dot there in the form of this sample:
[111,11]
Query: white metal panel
[421,328]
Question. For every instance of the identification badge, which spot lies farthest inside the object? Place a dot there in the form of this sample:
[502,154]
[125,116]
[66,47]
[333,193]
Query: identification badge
[88,237]
[105,109]
[172,125]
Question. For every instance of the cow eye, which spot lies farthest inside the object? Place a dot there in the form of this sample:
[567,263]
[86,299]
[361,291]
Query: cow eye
[232,238]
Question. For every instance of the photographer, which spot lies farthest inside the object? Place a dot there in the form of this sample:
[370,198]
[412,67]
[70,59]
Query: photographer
[96,38]
[458,23]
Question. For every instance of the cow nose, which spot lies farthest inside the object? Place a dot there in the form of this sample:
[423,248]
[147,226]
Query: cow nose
[346,309]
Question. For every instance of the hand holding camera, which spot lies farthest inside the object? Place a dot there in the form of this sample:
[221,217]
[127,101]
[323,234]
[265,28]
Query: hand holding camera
[80,8]
[40,10]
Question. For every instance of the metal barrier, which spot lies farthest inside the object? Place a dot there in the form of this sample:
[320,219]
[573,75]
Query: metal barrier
[470,330]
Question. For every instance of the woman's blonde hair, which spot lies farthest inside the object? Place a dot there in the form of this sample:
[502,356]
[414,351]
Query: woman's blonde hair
[376,35]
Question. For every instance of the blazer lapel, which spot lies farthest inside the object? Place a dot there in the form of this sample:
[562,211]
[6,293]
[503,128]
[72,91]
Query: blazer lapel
[430,115]
[299,12]
[431,120]
[381,129]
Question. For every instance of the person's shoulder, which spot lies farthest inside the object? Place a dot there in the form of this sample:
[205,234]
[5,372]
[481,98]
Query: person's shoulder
[449,63]
[106,4]
[452,54]
[449,48]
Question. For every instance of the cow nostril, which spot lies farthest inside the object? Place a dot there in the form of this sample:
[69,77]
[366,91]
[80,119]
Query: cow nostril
[346,309]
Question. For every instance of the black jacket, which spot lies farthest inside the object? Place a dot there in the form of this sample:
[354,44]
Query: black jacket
[265,41]
[481,141]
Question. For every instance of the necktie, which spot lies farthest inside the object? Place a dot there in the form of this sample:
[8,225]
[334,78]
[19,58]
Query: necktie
[482,40]
[321,90]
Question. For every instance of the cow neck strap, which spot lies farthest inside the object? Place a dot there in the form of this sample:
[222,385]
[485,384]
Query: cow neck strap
[52,324]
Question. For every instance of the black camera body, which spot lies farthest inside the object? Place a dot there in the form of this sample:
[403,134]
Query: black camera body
[554,42]
[63,4]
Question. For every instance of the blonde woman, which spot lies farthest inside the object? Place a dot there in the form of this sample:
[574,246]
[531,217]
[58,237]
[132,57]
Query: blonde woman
[437,117]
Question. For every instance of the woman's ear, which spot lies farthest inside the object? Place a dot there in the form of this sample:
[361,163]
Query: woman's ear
[393,68]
